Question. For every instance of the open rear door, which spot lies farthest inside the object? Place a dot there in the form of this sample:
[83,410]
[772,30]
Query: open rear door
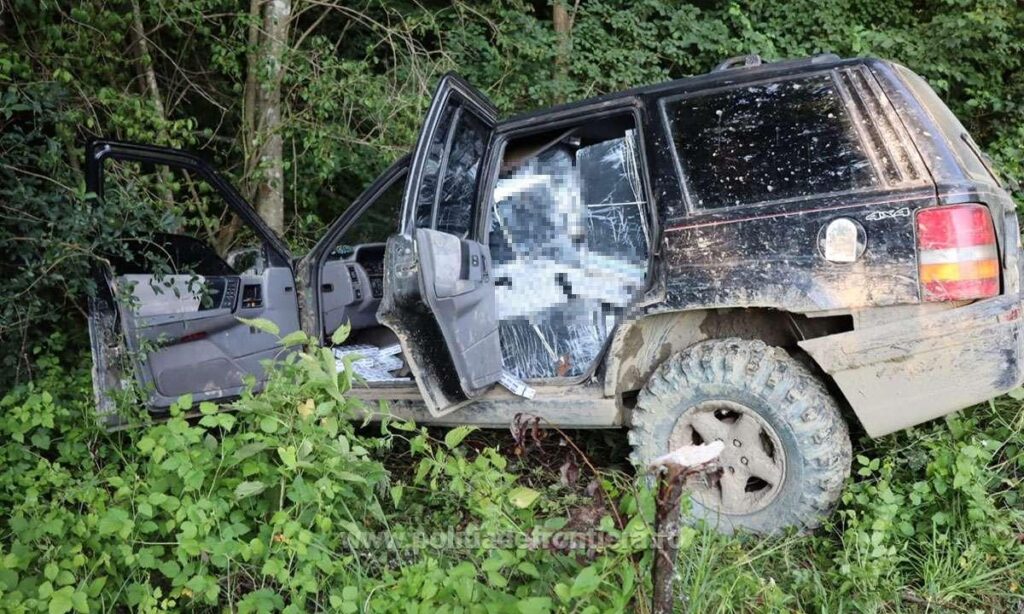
[438,287]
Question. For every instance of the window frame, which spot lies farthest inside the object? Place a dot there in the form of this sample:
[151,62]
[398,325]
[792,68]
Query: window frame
[689,202]
[972,163]
[310,267]
[98,151]
[467,100]
[561,119]
[446,157]
[398,171]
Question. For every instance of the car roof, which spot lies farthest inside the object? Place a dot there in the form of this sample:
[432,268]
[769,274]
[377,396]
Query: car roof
[715,78]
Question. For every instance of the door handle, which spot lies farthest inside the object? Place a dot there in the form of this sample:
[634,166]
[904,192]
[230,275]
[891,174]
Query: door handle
[252,296]
[327,287]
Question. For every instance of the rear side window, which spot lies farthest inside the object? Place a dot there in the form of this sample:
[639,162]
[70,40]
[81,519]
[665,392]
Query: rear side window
[459,185]
[771,141]
[954,132]
[455,156]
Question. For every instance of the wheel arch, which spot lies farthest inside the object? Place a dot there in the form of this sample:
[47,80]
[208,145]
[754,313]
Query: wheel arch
[641,345]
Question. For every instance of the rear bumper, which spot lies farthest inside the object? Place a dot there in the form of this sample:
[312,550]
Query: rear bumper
[913,370]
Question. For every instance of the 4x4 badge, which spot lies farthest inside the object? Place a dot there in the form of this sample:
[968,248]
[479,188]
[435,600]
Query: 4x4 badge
[874,216]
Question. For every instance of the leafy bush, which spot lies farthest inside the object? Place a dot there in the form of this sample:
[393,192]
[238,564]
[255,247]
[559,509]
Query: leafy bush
[286,503]
[279,504]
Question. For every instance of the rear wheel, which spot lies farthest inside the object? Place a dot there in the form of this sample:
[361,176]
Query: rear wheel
[787,449]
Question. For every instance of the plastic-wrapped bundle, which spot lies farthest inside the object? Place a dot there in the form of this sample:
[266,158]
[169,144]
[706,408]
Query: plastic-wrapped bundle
[569,248]
[374,364]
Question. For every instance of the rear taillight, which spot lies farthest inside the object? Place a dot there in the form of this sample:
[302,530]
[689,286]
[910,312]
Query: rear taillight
[957,253]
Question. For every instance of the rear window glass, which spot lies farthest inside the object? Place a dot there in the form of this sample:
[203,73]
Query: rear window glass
[770,141]
[459,185]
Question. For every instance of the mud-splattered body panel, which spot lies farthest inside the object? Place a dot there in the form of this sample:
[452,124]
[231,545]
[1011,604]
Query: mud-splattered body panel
[746,217]
[774,257]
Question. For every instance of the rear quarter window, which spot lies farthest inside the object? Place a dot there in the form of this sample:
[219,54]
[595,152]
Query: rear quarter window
[954,133]
[764,142]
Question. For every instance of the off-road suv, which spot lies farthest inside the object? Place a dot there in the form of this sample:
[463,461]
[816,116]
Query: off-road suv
[760,255]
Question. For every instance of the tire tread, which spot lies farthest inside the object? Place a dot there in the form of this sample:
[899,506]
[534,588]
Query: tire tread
[798,397]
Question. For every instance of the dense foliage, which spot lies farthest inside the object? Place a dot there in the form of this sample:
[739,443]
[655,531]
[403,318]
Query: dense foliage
[278,503]
[358,76]
[284,503]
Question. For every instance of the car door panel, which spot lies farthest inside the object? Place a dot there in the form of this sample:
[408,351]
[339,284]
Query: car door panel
[206,351]
[339,289]
[456,285]
[438,290]
[337,293]
[181,333]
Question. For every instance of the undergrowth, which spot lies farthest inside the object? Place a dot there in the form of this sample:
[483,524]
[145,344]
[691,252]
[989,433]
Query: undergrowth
[293,501]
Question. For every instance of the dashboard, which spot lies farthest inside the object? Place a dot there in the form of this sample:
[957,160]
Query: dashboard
[351,286]
[371,258]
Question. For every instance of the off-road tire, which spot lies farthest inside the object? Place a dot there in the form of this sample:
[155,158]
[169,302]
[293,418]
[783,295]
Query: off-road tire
[784,394]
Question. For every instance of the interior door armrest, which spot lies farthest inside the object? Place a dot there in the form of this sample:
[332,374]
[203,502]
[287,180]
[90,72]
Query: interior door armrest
[161,320]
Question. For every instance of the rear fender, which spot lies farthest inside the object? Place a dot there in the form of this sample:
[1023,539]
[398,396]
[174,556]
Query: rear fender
[911,370]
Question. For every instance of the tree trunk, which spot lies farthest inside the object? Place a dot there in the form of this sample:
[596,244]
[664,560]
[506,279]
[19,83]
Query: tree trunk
[151,88]
[270,187]
[563,29]
[146,61]
[249,134]
[250,100]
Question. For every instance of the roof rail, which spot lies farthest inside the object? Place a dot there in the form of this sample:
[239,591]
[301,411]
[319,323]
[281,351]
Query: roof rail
[739,61]
[754,60]
[821,58]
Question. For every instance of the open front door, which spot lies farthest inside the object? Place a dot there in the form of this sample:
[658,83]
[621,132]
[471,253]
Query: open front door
[438,286]
[167,314]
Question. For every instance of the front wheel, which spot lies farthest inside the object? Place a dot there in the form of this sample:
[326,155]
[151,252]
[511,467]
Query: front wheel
[787,448]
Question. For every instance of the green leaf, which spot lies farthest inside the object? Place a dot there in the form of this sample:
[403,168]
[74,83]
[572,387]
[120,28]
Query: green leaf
[585,583]
[96,586]
[353,530]
[341,334]
[61,601]
[115,520]
[80,601]
[248,489]
[262,600]
[456,435]
[297,337]
[189,530]
[348,476]
[288,456]
[262,324]
[250,449]
[523,497]
[268,424]
[534,605]
[170,569]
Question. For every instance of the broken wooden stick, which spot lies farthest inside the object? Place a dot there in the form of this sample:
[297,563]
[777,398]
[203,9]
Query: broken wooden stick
[674,470]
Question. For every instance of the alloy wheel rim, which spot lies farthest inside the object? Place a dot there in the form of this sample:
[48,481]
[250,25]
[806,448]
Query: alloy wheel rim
[753,461]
